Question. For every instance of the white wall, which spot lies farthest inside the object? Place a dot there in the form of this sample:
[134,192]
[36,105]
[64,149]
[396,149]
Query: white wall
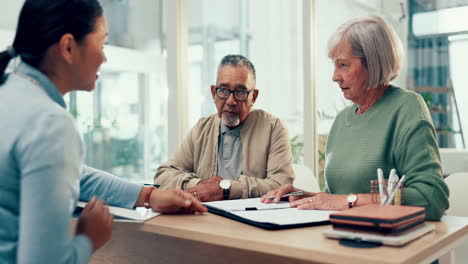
[8,21]
[10,13]
[277,54]
[458,58]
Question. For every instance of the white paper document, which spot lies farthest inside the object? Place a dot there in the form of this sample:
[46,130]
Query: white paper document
[285,216]
[278,214]
[139,214]
[247,204]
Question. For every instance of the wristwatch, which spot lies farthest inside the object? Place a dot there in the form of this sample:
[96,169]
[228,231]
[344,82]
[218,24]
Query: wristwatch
[352,199]
[226,187]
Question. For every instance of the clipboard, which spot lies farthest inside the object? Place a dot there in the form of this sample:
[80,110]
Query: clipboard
[268,216]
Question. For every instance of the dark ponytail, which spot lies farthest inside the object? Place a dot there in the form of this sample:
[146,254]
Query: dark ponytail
[4,60]
[42,23]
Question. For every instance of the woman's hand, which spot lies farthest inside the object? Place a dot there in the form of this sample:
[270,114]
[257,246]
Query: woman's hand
[96,223]
[285,189]
[175,201]
[322,201]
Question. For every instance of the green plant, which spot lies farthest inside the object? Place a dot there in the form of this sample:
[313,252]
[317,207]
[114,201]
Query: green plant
[74,113]
[427,98]
[297,145]
[321,169]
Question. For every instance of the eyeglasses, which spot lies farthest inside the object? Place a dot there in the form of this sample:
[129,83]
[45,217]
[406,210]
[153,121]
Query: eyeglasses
[240,95]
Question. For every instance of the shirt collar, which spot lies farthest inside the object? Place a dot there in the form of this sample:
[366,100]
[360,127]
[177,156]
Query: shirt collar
[234,132]
[42,81]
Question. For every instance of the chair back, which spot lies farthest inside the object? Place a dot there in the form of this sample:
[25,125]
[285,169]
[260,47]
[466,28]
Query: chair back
[458,187]
[305,178]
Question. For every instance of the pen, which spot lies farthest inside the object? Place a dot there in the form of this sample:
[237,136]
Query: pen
[298,193]
[152,185]
[398,186]
[380,179]
[392,181]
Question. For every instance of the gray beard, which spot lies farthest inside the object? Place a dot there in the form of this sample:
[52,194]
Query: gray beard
[230,121]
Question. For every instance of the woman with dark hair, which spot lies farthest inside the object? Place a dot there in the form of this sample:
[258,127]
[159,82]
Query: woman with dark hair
[60,44]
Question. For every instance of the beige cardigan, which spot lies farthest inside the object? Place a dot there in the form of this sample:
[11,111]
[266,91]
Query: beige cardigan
[267,159]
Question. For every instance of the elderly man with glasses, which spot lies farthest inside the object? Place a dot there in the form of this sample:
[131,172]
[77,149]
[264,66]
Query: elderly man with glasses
[236,153]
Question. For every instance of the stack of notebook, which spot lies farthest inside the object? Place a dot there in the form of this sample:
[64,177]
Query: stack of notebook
[386,224]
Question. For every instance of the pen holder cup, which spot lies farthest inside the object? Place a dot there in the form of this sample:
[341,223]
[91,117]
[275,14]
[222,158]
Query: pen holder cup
[394,197]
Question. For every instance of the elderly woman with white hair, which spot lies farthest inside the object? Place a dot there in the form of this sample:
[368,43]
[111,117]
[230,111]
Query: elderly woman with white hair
[387,127]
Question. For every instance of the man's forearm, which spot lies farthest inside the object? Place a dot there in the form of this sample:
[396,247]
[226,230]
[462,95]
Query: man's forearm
[256,187]
[172,178]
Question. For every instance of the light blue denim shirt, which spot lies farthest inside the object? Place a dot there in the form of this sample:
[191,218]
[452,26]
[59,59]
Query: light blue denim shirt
[41,174]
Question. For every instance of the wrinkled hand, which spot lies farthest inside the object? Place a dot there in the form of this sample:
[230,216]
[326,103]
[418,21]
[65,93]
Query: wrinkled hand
[282,191]
[207,191]
[322,201]
[95,222]
[175,201]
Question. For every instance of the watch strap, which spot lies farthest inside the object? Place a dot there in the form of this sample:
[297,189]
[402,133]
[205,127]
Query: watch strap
[226,193]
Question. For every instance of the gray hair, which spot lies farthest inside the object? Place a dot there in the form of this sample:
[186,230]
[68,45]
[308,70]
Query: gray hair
[374,41]
[237,60]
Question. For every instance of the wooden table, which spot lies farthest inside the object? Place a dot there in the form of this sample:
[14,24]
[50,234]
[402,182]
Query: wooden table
[210,238]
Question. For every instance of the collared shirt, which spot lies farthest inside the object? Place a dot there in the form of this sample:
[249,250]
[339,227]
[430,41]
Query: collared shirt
[41,174]
[266,156]
[229,152]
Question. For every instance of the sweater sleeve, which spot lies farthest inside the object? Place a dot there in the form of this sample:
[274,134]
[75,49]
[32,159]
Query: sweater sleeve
[178,171]
[417,157]
[278,172]
[109,188]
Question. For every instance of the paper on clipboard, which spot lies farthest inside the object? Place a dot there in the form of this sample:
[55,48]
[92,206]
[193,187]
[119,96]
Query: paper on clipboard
[269,216]
[139,214]
[247,205]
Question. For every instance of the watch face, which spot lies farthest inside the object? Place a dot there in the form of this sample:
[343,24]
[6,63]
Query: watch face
[352,198]
[225,184]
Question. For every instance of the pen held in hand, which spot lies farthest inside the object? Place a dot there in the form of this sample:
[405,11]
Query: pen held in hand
[299,193]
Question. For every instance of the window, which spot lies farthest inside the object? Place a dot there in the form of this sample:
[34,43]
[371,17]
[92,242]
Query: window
[269,33]
[436,62]
[458,46]
[124,120]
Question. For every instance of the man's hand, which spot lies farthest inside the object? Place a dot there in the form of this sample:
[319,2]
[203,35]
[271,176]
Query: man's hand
[175,201]
[288,188]
[214,179]
[322,201]
[208,190]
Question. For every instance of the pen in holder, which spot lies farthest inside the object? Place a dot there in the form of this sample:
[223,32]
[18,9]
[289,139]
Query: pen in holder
[387,192]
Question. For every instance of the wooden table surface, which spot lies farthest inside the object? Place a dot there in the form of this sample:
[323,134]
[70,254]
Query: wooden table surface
[208,238]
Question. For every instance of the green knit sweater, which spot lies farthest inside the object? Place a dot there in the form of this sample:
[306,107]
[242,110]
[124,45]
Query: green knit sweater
[397,132]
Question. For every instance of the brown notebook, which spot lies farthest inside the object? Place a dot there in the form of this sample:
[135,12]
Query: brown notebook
[381,219]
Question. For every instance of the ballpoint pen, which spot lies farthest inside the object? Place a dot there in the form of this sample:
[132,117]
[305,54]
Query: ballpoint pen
[392,181]
[298,193]
[380,179]
[152,185]
[398,186]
